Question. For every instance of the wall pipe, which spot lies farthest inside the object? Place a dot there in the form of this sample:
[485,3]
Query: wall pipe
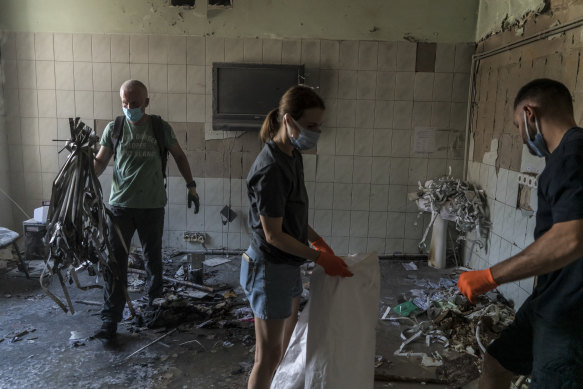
[396,257]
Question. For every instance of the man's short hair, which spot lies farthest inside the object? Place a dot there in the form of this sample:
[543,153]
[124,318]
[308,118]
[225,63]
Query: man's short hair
[133,85]
[547,94]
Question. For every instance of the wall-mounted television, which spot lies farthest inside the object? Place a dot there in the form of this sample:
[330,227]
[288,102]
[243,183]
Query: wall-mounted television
[244,93]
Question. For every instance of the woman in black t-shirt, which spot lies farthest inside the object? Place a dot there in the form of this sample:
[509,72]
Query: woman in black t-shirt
[278,217]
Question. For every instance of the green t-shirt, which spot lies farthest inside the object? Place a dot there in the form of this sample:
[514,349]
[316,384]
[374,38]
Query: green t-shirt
[137,176]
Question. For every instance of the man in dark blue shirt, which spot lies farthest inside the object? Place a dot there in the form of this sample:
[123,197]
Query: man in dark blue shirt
[546,338]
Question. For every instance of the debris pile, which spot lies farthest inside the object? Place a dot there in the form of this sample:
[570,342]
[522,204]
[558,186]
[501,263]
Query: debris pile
[76,222]
[457,199]
[436,313]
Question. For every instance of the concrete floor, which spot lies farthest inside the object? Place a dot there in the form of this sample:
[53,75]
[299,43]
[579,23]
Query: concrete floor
[46,357]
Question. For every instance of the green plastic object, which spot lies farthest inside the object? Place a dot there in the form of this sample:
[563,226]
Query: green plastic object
[405,309]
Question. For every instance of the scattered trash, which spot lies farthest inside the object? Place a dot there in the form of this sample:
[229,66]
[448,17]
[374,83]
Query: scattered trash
[451,197]
[409,266]
[405,309]
[211,262]
[76,340]
[179,275]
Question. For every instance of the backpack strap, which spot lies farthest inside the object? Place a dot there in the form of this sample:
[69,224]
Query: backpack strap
[159,135]
[116,134]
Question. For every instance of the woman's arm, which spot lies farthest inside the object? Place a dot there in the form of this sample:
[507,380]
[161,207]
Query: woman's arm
[272,227]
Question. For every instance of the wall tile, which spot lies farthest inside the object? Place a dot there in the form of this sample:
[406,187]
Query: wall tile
[101,48]
[196,81]
[386,82]
[444,57]
[381,143]
[102,80]
[63,47]
[349,55]
[363,142]
[65,104]
[120,72]
[324,168]
[25,46]
[45,74]
[329,54]
[346,113]
[395,225]
[344,141]
[43,46]
[440,114]
[342,196]
[82,47]
[158,78]
[340,223]
[365,113]
[379,197]
[357,245]
[324,195]
[47,103]
[84,104]
[176,50]
[463,57]
[158,104]
[195,50]
[139,49]
[368,55]
[417,170]
[376,245]
[461,84]
[383,114]
[442,87]
[358,223]
[366,85]
[26,74]
[102,105]
[28,103]
[362,170]
[177,107]
[404,85]
[323,222]
[158,46]
[311,53]
[83,74]
[271,51]
[63,79]
[377,224]
[195,108]
[401,143]
[423,87]
[347,84]
[253,50]
[387,57]
[402,115]
[291,51]
[406,56]
[343,168]
[120,48]
[380,170]
[29,131]
[360,197]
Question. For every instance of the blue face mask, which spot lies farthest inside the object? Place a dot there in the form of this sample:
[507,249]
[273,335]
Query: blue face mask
[307,139]
[133,114]
[538,145]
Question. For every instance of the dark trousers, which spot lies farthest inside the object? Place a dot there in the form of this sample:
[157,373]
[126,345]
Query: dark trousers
[150,225]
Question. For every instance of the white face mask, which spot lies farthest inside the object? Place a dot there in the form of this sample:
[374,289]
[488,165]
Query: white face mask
[307,140]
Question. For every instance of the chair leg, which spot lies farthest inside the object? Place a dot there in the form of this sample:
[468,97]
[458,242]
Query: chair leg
[22,266]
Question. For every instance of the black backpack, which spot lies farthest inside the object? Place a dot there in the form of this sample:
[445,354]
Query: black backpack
[158,134]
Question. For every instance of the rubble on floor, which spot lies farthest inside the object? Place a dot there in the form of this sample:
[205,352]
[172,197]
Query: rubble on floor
[442,328]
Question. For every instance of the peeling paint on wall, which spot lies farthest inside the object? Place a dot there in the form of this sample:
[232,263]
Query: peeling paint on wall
[500,15]
[381,20]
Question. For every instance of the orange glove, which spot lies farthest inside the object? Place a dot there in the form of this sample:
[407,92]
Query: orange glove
[474,283]
[333,265]
[321,246]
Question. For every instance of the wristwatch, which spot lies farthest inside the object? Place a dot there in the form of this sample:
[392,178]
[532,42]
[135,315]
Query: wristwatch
[191,184]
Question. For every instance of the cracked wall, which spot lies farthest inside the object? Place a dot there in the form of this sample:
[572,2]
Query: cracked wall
[497,157]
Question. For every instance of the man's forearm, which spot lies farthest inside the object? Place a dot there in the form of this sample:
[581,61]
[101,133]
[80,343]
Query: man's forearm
[557,248]
[99,167]
[184,168]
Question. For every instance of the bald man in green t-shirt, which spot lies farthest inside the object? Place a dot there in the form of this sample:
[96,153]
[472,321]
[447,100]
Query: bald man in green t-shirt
[138,197]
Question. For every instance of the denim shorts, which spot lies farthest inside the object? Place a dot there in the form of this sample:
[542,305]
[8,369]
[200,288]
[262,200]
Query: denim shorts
[552,355]
[269,287]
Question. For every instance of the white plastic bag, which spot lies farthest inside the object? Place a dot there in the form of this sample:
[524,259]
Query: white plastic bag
[333,344]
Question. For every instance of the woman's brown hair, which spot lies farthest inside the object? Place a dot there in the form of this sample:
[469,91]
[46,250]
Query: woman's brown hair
[294,101]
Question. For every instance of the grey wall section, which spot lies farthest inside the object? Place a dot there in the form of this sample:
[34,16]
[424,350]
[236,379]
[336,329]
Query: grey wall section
[6,219]
[382,20]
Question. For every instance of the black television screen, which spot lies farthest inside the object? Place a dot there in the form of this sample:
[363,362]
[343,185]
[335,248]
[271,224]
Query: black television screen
[243,94]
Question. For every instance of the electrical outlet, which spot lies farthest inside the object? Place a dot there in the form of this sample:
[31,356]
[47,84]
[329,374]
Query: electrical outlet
[195,237]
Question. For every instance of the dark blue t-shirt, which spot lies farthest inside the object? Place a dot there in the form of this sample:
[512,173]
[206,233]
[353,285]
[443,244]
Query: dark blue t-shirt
[558,296]
[275,186]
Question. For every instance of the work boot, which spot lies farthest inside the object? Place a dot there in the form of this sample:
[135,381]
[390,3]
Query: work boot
[107,331]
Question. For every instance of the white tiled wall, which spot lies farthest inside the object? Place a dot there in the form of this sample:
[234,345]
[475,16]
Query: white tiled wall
[365,163]
[512,230]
